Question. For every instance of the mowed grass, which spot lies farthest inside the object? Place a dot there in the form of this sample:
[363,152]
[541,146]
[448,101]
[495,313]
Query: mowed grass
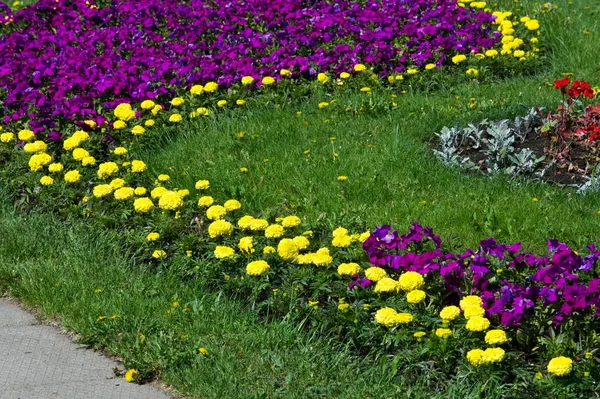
[392,175]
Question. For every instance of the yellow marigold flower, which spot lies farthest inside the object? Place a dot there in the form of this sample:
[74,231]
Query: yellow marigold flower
[491,53]
[387,317]
[183,193]
[475,357]
[339,232]
[291,221]
[365,90]
[419,334]
[495,337]
[323,78]
[36,146]
[222,252]
[55,167]
[138,166]
[274,231]
[138,130]
[301,242]
[26,135]
[411,281]
[471,300]
[342,178]
[492,355]
[359,67]
[375,273]
[457,59]
[120,151]
[175,118]
[247,80]
[46,181]
[88,161]
[157,108]
[348,269]
[232,205]
[443,332]
[72,176]
[153,236]
[532,24]
[202,185]
[415,296]
[79,154]
[203,111]
[478,323]
[107,169]
[130,375]
[239,101]
[364,236]
[216,212]
[269,250]
[147,104]
[143,205]
[245,222]
[117,183]
[221,103]
[472,311]
[159,254]
[287,250]
[560,366]
[38,161]
[170,200]
[124,193]
[341,241]
[7,137]
[472,72]
[412,71]
[344,75]
[205,201]
[163,177]
[246,245]
[429,67]
[519,53]
[158,192]
[449,313]
[323,104]
[285,72]
[219,228]
[386,286]
[124,112]
[258,224]
[257,268]
[102,190]
[118,125]
[177,101]
[196,90]
[268,80]
[203,351]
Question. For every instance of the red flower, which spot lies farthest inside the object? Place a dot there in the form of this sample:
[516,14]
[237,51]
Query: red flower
[580,88]
[559,84]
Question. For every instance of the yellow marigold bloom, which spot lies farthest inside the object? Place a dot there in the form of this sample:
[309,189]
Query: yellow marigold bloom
[196,90]
[532,24]
[171,201]
[472,72]
[163,177]
[519,54]
[219,228]
[159,254]
[138,166]
[269,250]
[147,104]
[268,80]
[203,351]
[203,111]
[478,323]
[46,181]
[375,273]
[247,80]
[175,118]
[359,67]
[124,112]
[419,334]
[102,190]
[495,337]
[202,185]
[55,167]
[457,59]
[364,90]
[232,205]
[339,232]
[36,146]
[412,71]
[258,224]
[257,268]
[124,193]
[7,137]
[342,178]
[72,176]
[387,317]
[117,183]
[221,103]
[475,357]
[183,193]
[143,205]
[285,72]
[222,252]
[341,241]
[560,366]
[343,307]
[79,154]
[471,300]
[429,67]
[245,222]
[323,104]
[246,245]
[138,130]
[472,311]
[118,125]
[139,191]
[411,281]
[107,169]
[344,75]
[274,231]
[287,250]
[492,355]
[348,269]
[216,212]
[363,237]
[301,242]
[26,135]
[88,161]
[415,296]
[177,101]
[322,258]
[205,201]
[130,375]
[157,108]
[38,161]
[443,332]
[239,101]
[153,236]
[386,286]
[449,313]
[158,192]
[323,78]
[291,221]
[120,151]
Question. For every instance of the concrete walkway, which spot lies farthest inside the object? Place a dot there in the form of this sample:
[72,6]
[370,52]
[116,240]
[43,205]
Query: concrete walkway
[36,361]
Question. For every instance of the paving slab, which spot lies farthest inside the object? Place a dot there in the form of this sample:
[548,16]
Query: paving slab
[38,362]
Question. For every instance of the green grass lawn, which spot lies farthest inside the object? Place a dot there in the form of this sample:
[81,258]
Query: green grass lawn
[392,178]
